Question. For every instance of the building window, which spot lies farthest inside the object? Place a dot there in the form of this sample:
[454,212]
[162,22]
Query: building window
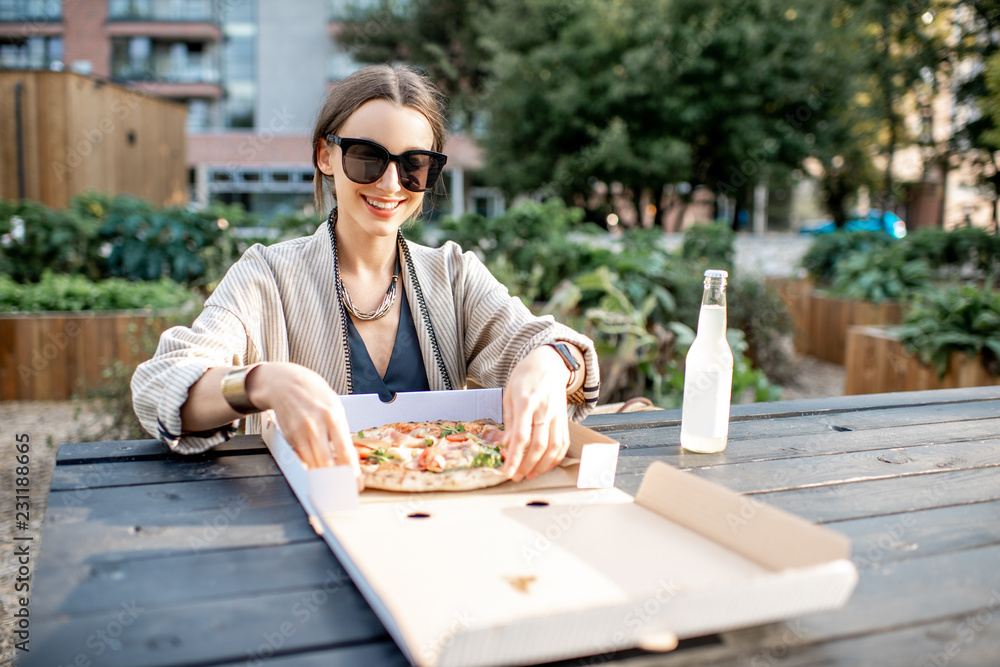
[155,60]
[32,53]
[30,10]
[163,10]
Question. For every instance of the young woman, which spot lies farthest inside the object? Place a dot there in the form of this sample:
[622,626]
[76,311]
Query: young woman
[355,308]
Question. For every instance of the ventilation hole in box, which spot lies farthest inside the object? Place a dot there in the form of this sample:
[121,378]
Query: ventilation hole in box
[538,503]
[418,515]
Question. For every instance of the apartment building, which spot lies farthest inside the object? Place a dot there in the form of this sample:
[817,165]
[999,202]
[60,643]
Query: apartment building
[252,74]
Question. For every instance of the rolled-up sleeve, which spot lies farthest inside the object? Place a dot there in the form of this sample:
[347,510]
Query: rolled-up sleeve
[160,386]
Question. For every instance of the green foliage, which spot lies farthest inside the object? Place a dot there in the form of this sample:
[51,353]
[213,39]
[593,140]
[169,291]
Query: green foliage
[826,250]
[148,242]
[34,238]
[528,247]
[950,252]
[747,381]
[99,236]
[65,293]
[756,309]
[712,244]
[879,275]
[957,319]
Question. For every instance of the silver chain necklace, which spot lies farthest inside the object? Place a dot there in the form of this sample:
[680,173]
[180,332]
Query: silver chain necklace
[345,298]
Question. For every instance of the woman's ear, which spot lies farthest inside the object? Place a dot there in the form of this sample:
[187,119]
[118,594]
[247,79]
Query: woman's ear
[325,157]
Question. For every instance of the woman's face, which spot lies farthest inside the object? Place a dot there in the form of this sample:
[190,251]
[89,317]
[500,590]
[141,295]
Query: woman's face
[382,206]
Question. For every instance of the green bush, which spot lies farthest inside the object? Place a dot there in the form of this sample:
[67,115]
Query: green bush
[147,242]
[64,293]
[34,238]
[955,251]
[962,318]
[880,274]
[821,259]
[712,244]
[529,245]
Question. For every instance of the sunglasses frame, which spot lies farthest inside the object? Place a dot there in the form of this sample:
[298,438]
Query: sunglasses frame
[346,143]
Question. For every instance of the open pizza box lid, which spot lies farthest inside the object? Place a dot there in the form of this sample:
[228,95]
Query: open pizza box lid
[549,569]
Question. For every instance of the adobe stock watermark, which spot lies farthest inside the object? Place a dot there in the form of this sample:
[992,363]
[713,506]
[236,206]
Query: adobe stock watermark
[108,637]
[433,649]
[250,147]
[966,633]
[561,521]
[301,612]
[778,649]
[214,528]
[77,153]
[633,623]
[50,350]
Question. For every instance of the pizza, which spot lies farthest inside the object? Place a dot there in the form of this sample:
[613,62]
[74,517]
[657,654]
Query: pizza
[431,456]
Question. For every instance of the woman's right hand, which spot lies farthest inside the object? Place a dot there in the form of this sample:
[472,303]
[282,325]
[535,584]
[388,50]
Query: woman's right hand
[309,411]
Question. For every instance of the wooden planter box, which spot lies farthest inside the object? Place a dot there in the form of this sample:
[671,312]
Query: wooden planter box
[877,362]
[56,355]
[822,321]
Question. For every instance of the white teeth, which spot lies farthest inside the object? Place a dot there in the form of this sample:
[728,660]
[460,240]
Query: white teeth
[382,205]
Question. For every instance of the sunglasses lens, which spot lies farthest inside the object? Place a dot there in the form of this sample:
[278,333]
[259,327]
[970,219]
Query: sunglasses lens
[364,163]
[416,171]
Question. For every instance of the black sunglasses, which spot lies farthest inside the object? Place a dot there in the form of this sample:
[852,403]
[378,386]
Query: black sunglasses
[365,161]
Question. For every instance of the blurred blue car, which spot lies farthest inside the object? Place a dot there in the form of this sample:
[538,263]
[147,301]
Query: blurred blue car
[875,221]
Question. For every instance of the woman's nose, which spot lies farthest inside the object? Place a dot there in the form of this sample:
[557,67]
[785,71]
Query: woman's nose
[389,181]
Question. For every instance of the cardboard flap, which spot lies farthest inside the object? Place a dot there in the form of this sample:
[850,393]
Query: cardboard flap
[767,535]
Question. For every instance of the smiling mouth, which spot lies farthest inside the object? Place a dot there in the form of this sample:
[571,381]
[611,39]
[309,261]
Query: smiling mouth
[382,205]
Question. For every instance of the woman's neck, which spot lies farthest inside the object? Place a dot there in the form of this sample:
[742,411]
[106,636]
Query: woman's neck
[363,254]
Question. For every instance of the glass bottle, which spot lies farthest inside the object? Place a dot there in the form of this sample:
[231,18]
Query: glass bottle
[708,373]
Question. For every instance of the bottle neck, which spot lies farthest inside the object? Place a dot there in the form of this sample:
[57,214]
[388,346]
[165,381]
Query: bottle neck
[715,292]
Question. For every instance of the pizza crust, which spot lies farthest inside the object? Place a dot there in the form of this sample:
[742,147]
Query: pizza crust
[397,478]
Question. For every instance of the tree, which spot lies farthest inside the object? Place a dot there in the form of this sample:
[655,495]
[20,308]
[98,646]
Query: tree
[646,93]
[979,139]
[437,35]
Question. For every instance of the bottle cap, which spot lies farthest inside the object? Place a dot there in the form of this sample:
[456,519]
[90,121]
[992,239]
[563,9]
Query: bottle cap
[716,273]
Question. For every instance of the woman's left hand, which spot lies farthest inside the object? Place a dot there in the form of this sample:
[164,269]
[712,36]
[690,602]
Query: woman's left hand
[534,415]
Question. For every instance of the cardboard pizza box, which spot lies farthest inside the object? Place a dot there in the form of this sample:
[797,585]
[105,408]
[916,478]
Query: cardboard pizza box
[551,569]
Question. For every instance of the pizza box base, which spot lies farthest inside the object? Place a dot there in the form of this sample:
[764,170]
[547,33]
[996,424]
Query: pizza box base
[523,574]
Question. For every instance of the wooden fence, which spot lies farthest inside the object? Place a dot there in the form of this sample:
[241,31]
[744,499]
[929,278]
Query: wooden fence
[54,356]
[822,321]
[65,133]
[877,362]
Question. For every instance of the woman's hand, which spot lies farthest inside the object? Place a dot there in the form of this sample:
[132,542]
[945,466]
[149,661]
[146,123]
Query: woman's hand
[310,413]
[534,415]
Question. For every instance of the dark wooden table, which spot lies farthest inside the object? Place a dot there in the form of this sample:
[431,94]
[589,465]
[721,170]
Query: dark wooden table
[149,558]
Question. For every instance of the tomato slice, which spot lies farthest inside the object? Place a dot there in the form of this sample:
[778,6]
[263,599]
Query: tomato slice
[457,437]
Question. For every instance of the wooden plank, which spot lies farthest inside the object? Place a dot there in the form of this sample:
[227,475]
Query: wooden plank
[211,574]
[237,629]
[887,496]
[795,437]
[894,537]
[9,377]
[138,450]
[116,524]
[383,653]
[796,472]
[803,407]
[116,474]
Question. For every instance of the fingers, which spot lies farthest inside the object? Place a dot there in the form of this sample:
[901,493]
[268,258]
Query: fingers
[536,441]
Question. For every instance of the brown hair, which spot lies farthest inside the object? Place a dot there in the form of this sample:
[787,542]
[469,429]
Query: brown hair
[399,84]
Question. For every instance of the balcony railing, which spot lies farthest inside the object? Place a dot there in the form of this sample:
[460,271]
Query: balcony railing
[30,10]
[163,10]
[163,71]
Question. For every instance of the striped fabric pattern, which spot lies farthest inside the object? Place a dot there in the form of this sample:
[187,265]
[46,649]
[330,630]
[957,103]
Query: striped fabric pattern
[279,303]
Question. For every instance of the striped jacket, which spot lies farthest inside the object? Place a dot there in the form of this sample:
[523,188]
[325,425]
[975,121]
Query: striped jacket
[279,303]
